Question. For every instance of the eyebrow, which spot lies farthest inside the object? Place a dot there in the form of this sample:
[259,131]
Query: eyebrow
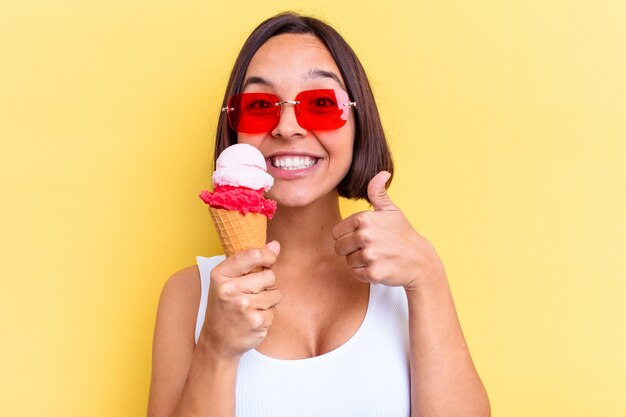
[320,73]
[256,80]
[312,74]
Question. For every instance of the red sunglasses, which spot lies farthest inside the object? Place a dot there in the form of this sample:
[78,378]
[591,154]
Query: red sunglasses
[325,109]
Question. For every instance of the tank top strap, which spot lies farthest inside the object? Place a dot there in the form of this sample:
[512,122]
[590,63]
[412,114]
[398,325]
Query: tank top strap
[205,265]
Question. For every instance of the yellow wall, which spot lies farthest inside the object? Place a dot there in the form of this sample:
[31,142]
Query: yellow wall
[507,121]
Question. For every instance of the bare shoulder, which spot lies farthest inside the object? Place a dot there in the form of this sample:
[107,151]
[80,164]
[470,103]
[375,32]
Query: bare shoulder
[173,343]
[180,297]
[184,283]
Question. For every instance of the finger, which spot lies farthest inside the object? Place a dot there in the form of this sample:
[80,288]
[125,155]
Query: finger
[244,262]
[347,225]
[377,193]
[347,244]
[256,282]
[274,246]
[266,299]
[356,260]
[361,274]
[267,318]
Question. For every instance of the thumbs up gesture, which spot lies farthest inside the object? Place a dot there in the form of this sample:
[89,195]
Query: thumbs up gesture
[382,247]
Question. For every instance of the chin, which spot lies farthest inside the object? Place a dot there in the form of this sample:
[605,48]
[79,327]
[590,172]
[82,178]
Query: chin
[300,198]
[291,199]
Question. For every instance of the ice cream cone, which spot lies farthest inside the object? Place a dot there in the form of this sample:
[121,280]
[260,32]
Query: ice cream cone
[238,232]
[237,206]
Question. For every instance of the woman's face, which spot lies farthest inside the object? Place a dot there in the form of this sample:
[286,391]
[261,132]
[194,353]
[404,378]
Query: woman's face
[284,66]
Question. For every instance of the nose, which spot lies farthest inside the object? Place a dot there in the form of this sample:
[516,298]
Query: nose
[288,126]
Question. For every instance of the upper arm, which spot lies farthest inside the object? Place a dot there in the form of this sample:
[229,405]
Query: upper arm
[174,340]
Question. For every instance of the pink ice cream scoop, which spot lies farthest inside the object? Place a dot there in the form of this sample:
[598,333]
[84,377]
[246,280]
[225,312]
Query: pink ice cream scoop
[239,180]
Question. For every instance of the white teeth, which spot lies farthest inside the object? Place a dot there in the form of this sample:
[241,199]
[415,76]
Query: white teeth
[293,162]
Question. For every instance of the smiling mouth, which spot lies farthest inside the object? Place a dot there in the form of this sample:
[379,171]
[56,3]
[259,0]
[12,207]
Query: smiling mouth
[292,163]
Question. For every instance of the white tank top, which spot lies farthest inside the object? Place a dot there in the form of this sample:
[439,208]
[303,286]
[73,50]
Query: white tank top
[367,376]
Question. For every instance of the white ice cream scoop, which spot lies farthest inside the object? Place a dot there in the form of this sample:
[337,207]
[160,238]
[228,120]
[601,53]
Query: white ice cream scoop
[242,165]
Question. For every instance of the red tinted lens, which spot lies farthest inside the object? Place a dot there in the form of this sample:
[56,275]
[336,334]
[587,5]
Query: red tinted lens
[322,109]
[253,112]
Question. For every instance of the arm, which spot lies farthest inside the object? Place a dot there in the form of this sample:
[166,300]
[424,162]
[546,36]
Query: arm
[444,381]
[210,386]
[186,379]
[199,381]
[382,247]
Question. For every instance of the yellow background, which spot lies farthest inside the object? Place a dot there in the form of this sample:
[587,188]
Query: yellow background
[507,123]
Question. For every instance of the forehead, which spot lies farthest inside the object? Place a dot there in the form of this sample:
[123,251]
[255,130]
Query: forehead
[291,59]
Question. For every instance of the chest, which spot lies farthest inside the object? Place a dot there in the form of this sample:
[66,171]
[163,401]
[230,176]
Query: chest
[307,329]
[349,389]
[366,376]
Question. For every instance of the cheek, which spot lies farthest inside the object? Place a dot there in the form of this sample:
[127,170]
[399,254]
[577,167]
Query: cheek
[343,158]
[339,148]
[254,140]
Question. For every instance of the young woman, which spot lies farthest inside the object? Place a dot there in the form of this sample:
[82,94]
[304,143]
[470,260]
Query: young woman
[349,317]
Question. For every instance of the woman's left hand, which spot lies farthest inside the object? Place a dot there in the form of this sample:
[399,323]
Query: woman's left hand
[382,247]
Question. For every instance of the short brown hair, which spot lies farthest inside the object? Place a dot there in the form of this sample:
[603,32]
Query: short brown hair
[371,153]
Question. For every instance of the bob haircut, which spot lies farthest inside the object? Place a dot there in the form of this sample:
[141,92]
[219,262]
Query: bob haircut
[370,154]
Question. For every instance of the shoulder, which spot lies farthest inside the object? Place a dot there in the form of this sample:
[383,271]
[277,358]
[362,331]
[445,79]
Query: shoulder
[180,299]
[184,287]
[173,342]
[183,284]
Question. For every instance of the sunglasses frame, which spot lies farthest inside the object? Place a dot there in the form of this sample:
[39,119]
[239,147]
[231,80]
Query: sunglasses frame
[227,109]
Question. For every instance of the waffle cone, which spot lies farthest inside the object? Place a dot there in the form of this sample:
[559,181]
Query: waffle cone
[239,232]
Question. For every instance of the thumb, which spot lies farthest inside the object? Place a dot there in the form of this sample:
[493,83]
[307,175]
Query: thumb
[377,193]
[274,246]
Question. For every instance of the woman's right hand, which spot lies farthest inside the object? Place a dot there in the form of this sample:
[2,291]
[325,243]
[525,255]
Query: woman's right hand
[241,304]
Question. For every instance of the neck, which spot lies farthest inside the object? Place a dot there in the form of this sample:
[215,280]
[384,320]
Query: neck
[305,233]
[308,265]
